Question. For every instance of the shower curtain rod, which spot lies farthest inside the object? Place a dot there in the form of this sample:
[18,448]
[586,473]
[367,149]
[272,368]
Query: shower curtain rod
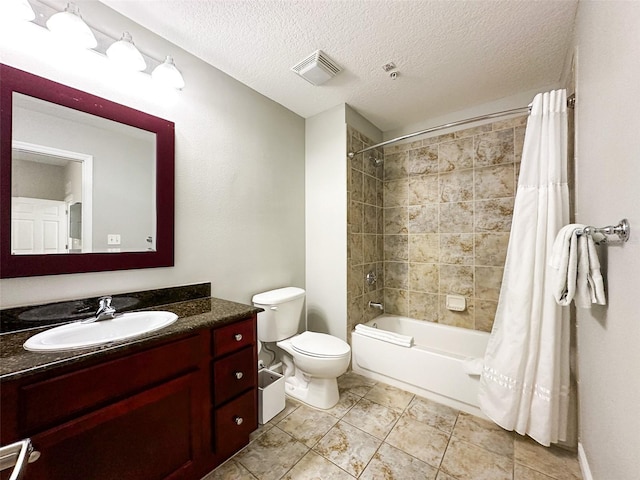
[570,103]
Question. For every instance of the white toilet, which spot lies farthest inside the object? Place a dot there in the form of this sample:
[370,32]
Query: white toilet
[312,361]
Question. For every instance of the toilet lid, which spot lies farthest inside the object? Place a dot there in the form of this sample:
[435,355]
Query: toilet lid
[319,345]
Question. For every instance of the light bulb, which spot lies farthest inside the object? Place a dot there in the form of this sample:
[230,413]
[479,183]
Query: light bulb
[167,74]
[125,54]
[70,26]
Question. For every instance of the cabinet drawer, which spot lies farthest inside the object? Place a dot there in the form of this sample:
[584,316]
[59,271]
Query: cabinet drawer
[45,403]
[233,375]
[233,337]
[234,422]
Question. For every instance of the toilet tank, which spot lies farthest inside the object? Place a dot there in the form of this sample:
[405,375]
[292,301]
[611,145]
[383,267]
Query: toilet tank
[281,316]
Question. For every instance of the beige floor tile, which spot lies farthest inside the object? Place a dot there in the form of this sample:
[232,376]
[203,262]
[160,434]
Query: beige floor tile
[484,433]
[348,447]
[271,455]
[444,476]
[230,470]
[346,402]
[290,405]
[552,461]
[316,467]
[432,413]
[355,383]
[466,461]
[390,463]
[420,440]
[389,396]
[261,429]
[307,425]
[520,472]
[372,417]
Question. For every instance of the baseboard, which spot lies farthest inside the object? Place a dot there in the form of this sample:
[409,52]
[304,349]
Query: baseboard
[584,464]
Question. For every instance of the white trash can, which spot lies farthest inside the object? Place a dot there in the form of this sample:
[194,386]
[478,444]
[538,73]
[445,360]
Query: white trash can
[270,395]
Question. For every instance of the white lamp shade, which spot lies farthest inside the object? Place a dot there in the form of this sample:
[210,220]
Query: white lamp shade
[167,74]
[17,10]
[70,26]
[124,53]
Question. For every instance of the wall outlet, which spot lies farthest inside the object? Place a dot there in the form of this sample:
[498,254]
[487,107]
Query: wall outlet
[113,239]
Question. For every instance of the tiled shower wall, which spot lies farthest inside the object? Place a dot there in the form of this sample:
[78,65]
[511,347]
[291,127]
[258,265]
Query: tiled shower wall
[447,207]
[365,230]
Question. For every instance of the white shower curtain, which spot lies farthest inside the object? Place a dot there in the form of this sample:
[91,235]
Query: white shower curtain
[524,384]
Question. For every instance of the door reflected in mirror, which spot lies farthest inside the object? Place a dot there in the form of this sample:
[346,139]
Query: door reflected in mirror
[80,183]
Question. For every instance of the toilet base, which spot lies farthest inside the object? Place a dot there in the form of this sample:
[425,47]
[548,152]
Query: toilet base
[319,393]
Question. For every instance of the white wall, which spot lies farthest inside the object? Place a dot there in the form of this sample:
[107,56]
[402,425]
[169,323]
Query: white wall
[608,189]
[326,222]
[239,171]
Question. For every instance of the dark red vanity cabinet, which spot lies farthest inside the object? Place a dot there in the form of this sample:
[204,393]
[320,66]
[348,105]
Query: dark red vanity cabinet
[167,411]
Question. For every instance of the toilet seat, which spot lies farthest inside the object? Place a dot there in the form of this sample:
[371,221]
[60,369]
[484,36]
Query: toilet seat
[320,345]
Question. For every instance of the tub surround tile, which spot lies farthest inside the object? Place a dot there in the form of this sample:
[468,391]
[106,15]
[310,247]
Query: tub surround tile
[314,466]
[432,414]
[395,165]
[553,461]
[456,155]
[456,186]
[396,301]
[456,217]
[396,248]
[423,160]
[484,434]
[491,248]
[423,306]
[457,279]
[494,182]
[463,319]
[356,188]
[487,283]
[396,220]
[355,216]
[307,425]
[396,193]
[389,396]
[457,248]
[493,215]
[393,464]
[510,122]
[519,142]
[468,132]
[369,248]
[423,219]
[348,447]
[370,219]
[485,313]
[370,189]
[373,418]
[424,248]
[423,277]
[272,454]
[396,275]
[422,190]
[465,461]
[493,148]
[419,440]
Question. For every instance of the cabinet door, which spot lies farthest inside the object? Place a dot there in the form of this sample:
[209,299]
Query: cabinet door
[153,435]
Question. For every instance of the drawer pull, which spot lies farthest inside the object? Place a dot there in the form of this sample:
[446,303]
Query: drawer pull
[239,375]
[238,420]
[238,337]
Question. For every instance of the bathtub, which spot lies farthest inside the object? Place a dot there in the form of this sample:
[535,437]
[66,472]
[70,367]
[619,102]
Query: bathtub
[434,367]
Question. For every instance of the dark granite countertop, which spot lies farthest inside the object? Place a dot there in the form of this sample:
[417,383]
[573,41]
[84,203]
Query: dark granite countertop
[193,315]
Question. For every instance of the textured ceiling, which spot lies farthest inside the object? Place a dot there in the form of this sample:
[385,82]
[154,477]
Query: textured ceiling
[450,54]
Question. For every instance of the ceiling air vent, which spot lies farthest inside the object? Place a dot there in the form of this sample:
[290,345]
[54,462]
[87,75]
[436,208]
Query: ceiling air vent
[317,68]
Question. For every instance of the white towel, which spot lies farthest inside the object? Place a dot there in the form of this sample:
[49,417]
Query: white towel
[576,269]
[384,335]
[473,366]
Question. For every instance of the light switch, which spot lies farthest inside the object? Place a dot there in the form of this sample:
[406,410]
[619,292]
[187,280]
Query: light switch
[113,239]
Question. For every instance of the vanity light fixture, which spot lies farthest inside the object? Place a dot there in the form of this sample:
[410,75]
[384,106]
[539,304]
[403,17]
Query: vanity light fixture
[17,10]
[70,26]
[124,53]
[167,74]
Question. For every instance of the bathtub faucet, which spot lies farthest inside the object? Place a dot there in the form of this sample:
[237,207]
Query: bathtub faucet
[377,305]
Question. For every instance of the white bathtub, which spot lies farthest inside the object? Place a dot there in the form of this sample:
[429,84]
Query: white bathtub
[432,368]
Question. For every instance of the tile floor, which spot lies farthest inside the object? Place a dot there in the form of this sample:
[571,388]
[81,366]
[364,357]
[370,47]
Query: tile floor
[380,432]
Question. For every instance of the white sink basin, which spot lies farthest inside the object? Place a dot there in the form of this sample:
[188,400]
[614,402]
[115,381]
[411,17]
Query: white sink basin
[81,335]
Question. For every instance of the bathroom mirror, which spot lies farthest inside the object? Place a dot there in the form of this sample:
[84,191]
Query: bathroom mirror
[86,184]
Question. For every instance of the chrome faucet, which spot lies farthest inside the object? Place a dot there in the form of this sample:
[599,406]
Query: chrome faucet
[377,305]
[105,310]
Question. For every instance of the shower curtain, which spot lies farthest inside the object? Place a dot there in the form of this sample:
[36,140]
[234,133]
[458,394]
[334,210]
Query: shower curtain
[524,384]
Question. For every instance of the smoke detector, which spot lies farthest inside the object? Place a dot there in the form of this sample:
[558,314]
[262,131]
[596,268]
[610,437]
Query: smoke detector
[317,68]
